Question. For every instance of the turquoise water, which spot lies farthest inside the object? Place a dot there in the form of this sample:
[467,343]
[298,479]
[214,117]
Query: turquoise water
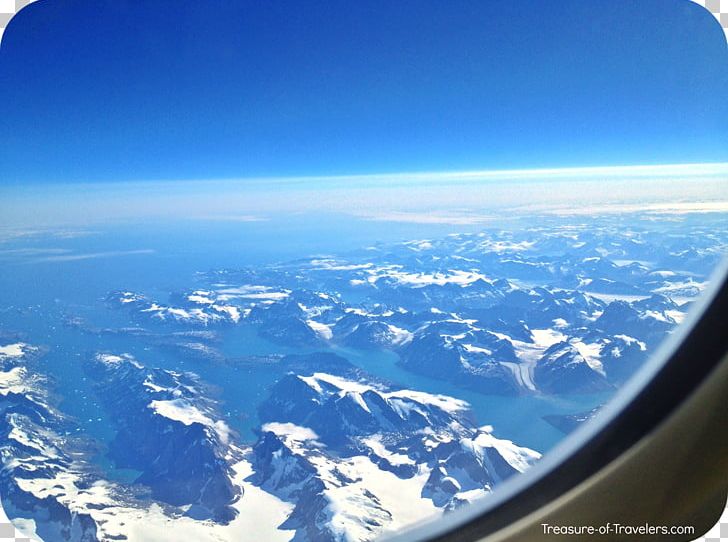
[515,418]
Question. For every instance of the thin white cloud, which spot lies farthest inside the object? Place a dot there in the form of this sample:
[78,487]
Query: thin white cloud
[430,218]
[677,208]
[21,252]
[418,177]
[12,233]
[230,218]
[92,255]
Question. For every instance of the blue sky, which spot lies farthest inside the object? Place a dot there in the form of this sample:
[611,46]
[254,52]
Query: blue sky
[119,91]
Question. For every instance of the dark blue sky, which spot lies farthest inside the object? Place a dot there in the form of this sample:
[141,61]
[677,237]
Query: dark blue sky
[133,90]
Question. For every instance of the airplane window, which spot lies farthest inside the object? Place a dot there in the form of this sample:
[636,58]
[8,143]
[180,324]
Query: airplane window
[331,272]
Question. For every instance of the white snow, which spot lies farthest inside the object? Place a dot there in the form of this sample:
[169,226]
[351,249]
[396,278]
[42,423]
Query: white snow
[313,312]
[350,509]
[152,386]
[343,384]
[232,312]
[40,444]
[260,513]
[444,402]
[424,244]
[522,373]
[505,246]
[322,330]
[400,336]
[194,314]
[130,297]
[375,443]
[351,512]
[250,291]
[616,297]
[530,353]
[357,311]
[518,457]
[544,338]
[333,265]
[419,280]
[362,312]
[477,349]
[183,411]
[657,316]
[560,323]
[591,353]
[401,497]
[13,381]
[201,297]
[630,340]
[15,350]
[112,359]
[683,288]
[290,430]
[677,316]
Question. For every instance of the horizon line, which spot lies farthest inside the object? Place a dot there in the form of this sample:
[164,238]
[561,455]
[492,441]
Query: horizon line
[642,170]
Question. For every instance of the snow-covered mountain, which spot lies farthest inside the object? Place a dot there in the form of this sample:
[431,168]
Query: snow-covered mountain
[320,398]
[169,431]
[359,457]
[336,453]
